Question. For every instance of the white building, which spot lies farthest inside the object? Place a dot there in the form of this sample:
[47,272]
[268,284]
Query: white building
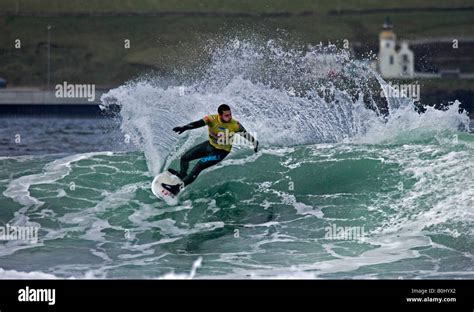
[394,61]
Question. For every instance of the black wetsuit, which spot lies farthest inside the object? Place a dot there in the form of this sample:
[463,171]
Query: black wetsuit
[207,154]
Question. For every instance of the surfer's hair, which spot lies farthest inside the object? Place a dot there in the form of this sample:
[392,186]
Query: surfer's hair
[222,108]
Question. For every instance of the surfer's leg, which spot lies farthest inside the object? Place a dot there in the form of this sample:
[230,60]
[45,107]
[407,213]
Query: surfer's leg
[196,152]
[203,163]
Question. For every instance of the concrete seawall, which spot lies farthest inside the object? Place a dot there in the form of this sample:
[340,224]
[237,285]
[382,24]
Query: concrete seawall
[43,97]
[26,101]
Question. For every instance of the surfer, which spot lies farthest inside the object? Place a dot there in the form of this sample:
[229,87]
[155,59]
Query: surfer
[221,128]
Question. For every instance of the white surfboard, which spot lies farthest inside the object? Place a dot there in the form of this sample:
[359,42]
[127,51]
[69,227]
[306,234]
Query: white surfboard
[160,192]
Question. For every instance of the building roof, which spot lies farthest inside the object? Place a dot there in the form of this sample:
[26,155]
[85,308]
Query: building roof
[387,34]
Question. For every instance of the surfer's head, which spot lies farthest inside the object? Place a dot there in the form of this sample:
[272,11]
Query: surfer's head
[224,113]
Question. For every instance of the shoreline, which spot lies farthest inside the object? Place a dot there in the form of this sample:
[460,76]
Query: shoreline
[31,101]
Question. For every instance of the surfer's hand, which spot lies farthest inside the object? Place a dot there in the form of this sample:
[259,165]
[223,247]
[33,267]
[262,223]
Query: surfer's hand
[256,146]
[179,130]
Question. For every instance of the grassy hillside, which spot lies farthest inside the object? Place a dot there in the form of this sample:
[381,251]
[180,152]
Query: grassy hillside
[90,49]
[261,6]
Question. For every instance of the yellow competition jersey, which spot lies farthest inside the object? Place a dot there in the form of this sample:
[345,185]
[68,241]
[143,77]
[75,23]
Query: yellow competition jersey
[221,133]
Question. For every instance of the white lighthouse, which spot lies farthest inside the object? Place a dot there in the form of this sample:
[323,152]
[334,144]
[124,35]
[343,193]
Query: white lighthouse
[394,61]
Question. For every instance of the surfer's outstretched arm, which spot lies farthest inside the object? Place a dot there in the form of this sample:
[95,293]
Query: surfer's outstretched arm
[243,132]
[193,125]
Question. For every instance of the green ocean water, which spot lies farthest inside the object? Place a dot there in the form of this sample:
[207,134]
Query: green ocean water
[264,215]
